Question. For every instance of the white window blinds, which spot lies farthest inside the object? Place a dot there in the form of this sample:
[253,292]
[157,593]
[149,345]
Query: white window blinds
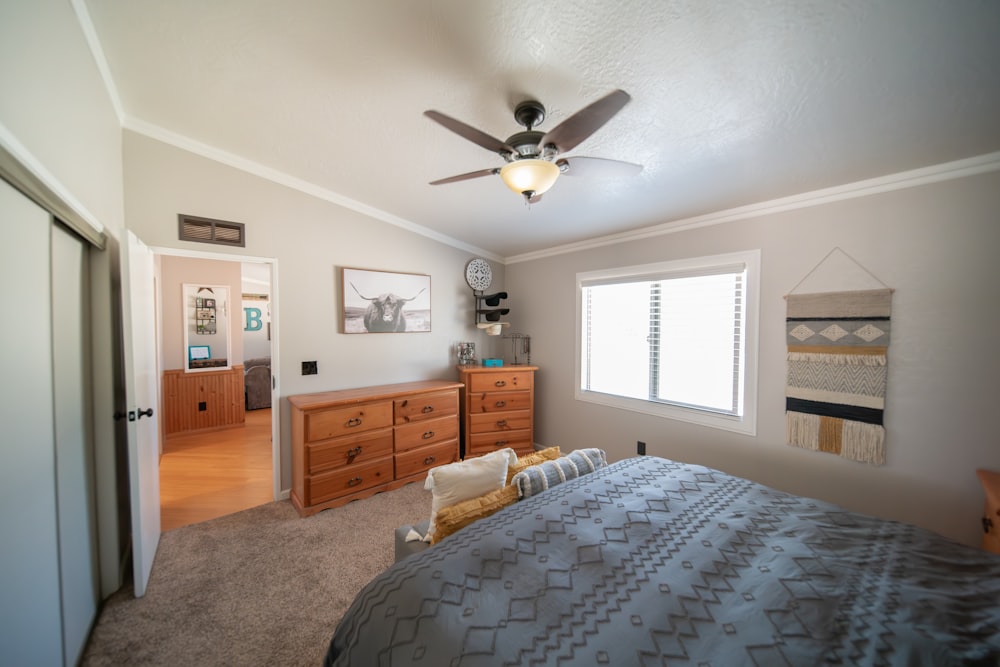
[667,334]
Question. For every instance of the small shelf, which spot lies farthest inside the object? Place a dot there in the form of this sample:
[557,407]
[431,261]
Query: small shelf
[487,314]
[493,314]
[493,299]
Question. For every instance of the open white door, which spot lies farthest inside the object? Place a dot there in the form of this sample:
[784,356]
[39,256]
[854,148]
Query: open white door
[141,395]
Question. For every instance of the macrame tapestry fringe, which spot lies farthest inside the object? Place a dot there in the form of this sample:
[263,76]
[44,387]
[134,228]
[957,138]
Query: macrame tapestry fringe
[837,366]
[848,439]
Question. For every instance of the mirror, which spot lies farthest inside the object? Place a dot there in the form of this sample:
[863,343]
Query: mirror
[206,328]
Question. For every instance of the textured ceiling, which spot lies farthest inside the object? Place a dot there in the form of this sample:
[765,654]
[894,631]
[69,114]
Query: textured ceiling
[733,102]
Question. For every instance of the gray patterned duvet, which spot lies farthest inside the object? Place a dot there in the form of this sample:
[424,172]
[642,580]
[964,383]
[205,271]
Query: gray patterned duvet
[652,562]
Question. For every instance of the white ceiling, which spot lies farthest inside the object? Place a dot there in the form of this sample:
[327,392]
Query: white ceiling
[733,102]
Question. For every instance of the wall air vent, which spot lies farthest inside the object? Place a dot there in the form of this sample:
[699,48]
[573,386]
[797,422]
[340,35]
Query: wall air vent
[207,230]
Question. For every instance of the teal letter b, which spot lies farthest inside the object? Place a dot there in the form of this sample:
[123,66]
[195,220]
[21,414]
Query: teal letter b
[253,319]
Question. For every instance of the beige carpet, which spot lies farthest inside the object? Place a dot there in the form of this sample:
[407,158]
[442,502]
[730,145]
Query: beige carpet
[260,587]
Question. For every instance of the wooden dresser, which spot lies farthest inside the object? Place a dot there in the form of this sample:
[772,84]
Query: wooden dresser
[499,408]
[354,443]
[991,510]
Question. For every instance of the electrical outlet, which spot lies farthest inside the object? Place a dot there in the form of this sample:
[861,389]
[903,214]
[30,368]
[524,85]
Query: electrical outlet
[640,448]
[202,406]
[310,368]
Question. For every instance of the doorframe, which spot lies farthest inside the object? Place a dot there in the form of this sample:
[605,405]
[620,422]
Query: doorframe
[275,362]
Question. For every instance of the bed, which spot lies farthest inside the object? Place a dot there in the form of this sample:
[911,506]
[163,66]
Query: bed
[653,562]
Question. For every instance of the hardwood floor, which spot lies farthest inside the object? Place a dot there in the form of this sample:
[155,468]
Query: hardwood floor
[211,474]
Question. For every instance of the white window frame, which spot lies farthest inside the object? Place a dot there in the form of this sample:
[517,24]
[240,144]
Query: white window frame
[745,424]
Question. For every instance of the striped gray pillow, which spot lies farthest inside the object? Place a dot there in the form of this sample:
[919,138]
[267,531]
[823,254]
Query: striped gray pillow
[579,462]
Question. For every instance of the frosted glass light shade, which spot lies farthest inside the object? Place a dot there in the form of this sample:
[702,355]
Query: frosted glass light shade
[529,175]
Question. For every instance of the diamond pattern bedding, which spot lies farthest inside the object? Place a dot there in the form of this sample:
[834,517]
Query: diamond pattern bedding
[654,562]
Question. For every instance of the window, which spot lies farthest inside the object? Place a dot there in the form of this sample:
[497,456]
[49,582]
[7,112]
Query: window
[676,339]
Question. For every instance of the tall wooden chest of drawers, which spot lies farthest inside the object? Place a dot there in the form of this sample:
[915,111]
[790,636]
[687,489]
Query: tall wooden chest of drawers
[499,408]
[354,443]
[991,510]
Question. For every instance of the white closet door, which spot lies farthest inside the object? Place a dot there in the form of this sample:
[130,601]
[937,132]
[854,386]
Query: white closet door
[30,619]
[75,491]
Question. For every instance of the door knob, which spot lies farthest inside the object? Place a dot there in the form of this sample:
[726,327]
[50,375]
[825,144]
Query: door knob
[148,412]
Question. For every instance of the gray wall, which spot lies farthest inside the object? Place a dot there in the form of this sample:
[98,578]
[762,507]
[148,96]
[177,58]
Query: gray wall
[54,103]
[311,240]
[56,118]
[935,244]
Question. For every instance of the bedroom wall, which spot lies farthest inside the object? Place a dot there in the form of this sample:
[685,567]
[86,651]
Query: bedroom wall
[311,239]
[55,106]
[936,245]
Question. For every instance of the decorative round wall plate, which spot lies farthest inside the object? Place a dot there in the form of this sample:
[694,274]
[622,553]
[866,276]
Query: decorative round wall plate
[478,274]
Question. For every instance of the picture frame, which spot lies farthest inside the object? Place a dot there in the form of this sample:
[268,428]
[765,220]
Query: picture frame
[199,352]
[384,301]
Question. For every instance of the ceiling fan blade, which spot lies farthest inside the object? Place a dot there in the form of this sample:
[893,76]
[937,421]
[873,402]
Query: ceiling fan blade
[465,177]
[596,166]
[477,137]
[567,134]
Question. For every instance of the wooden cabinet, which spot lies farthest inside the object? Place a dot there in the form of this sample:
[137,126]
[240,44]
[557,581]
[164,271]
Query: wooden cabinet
[991,510]
[498,406]
[354,443]
[203,401]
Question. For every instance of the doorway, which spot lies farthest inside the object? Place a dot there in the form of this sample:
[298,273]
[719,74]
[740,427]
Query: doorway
[205,475]
[230,464]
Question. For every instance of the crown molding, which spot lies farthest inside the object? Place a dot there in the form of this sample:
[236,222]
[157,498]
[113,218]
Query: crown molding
[94,43]
[243,164]
[907,179]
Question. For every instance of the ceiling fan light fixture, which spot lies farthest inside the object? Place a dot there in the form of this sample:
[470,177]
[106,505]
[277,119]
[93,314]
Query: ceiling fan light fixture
[529,175]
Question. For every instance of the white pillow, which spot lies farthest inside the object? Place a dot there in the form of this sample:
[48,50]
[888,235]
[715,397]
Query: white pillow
[471,478]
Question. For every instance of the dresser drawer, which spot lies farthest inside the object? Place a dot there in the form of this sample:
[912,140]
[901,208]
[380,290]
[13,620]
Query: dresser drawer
[428,432]
[421,460]
[349,479]
[343,421]
[484,443]
[501,381]
[486,422]
[359,448]
[426,406]
[496,401]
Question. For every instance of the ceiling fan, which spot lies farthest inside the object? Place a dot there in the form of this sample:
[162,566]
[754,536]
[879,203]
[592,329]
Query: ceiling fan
[532,158]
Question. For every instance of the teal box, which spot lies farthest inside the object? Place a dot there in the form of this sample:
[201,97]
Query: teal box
[492,363]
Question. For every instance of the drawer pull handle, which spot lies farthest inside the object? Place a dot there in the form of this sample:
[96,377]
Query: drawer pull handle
[351,453]
[500,383]
[987,524]
[354,421]
[501,404]
[429,460]
[354,481]
[428,435]
[427,409]
[502,423]
[501,443]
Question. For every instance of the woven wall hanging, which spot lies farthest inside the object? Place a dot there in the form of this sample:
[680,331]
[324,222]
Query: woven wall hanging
[837,367]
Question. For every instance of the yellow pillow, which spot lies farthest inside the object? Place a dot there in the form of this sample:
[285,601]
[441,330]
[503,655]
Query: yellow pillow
[458,516]
[532,459]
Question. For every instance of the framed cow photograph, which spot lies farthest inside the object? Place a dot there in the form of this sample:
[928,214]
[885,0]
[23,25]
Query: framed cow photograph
[385,301]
